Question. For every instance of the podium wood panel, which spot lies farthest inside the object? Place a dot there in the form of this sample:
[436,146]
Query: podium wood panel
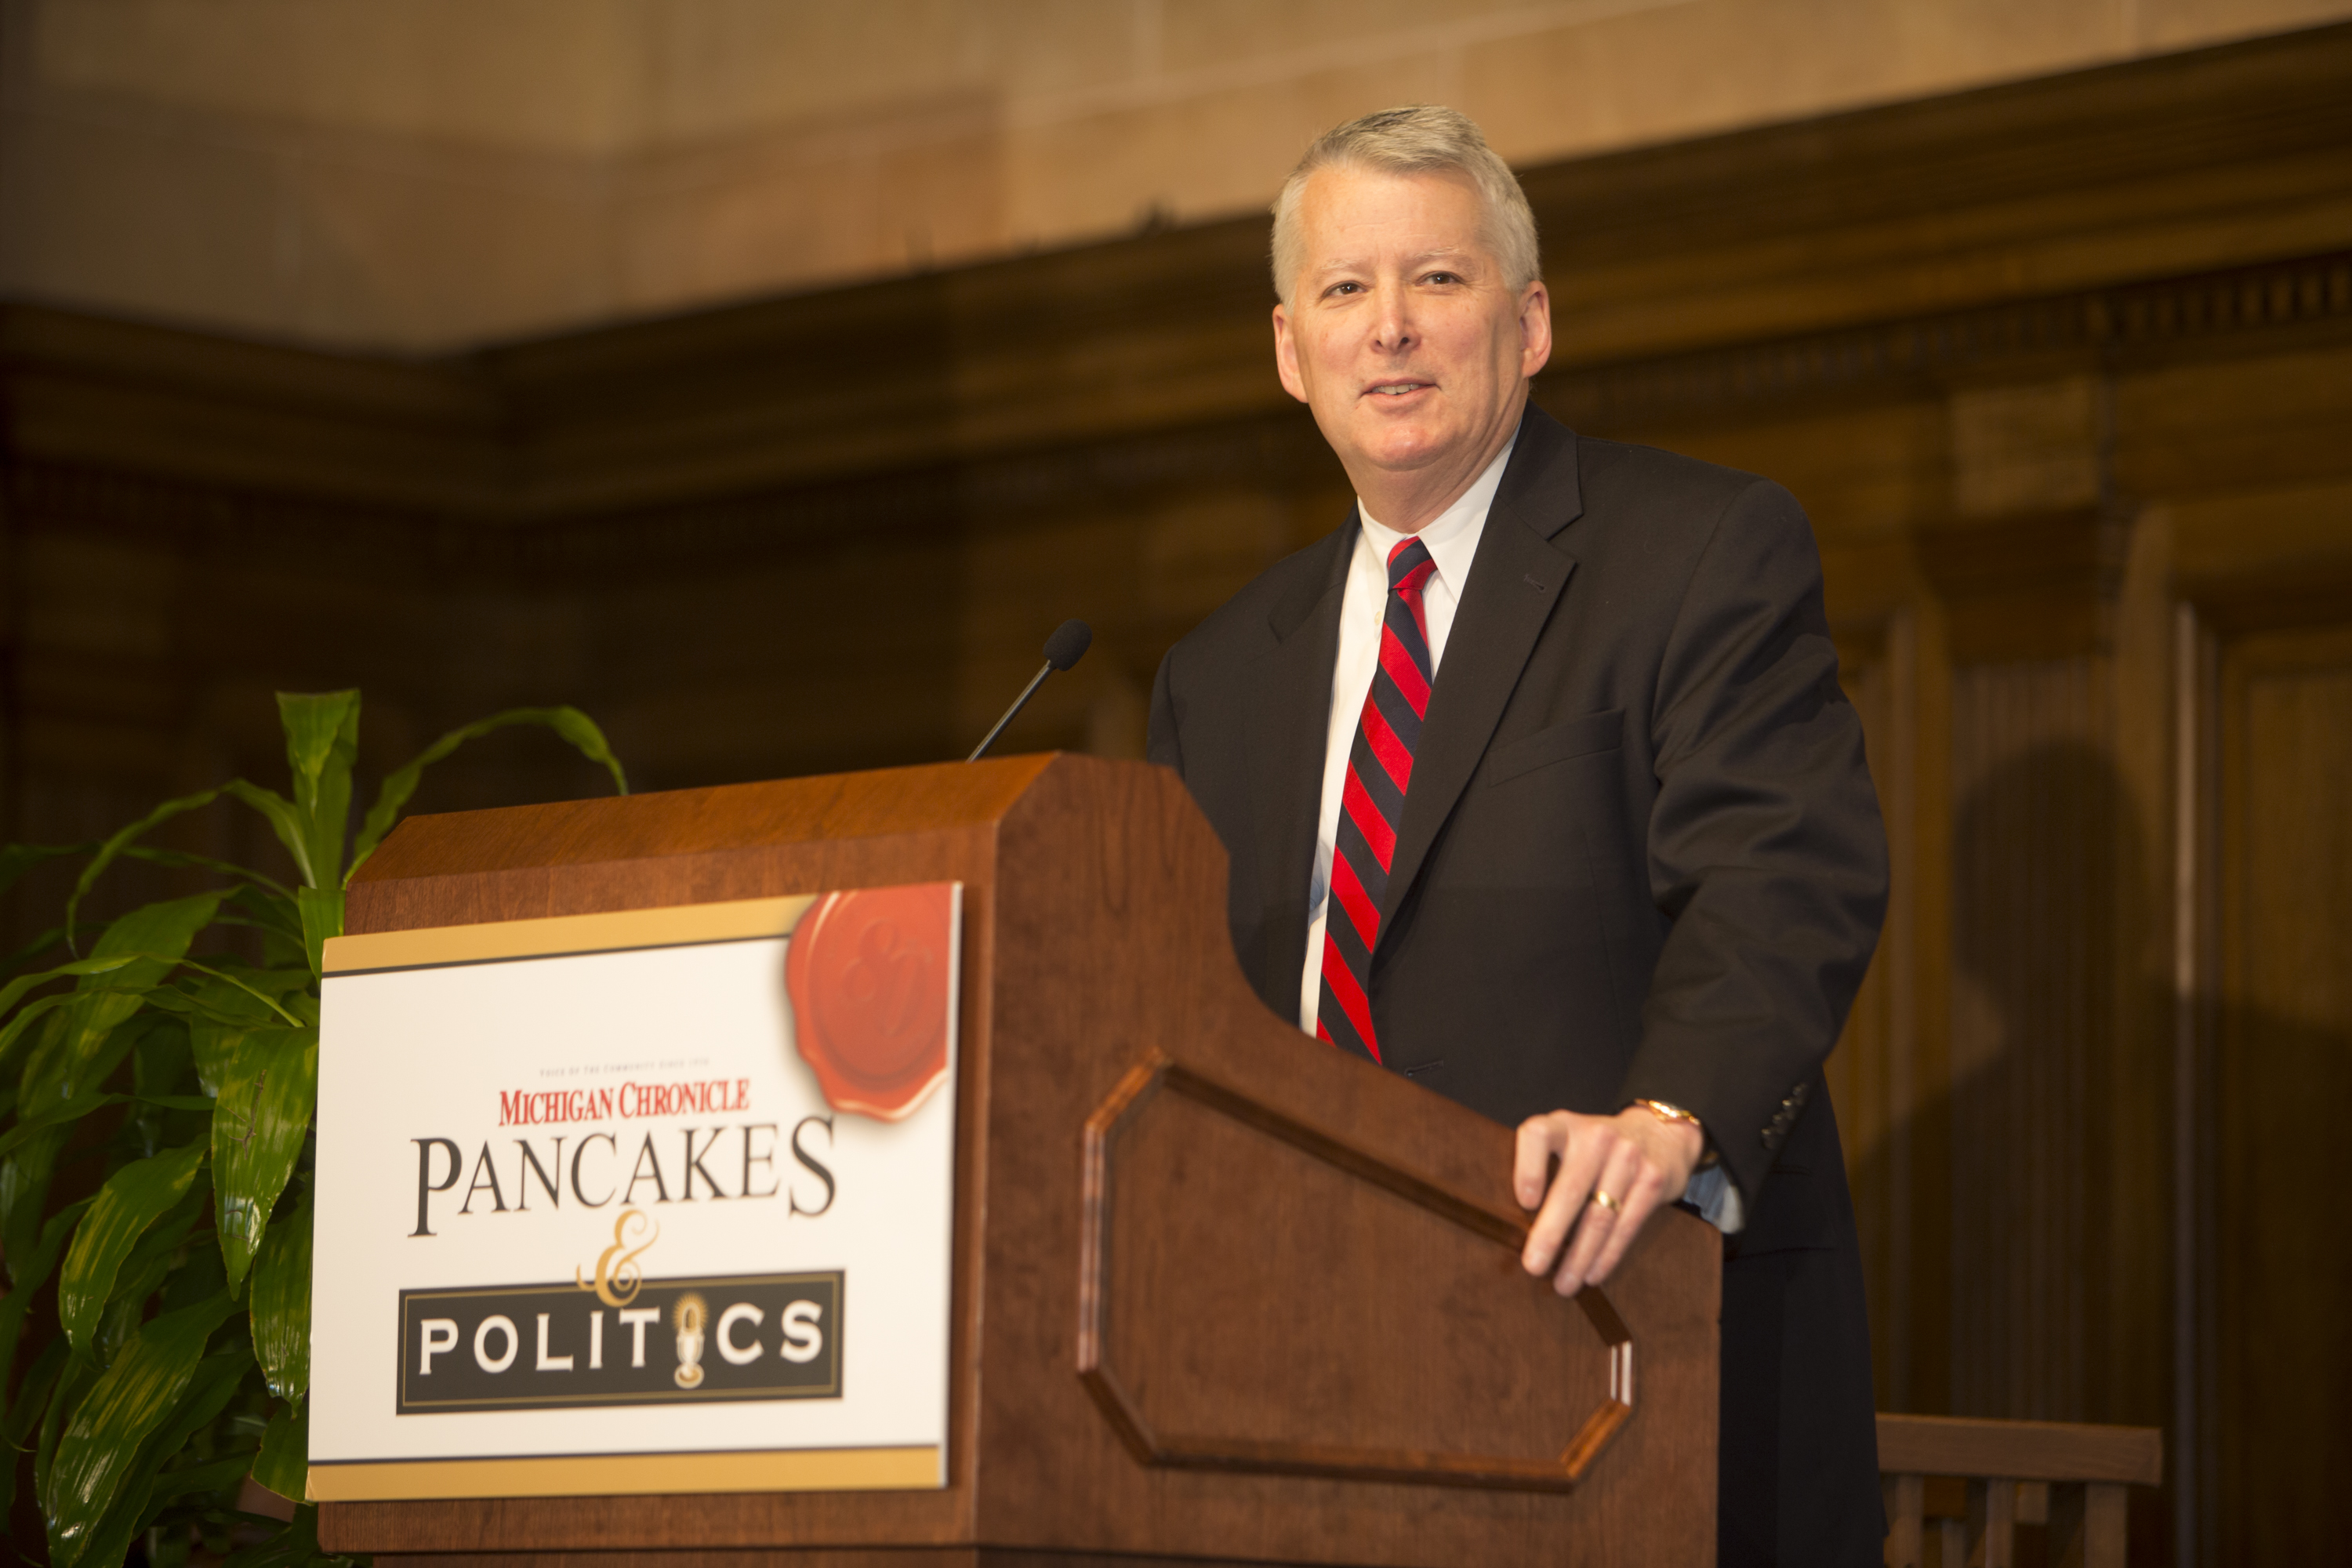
[1307,1285]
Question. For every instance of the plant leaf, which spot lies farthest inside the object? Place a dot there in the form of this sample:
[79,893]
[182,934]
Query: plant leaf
[284,821]
[151,938]
[74,1380]
[205,863]
[26,1279]
[98,1452]
[15,859]
[79,968]
[133,1198]
[208,1392]
[19,1033]
[569,723]
[40,1066]
[276,915]
[136,1506]
[322,917]
[323,741]
[123,842]
[120,840]
[76,1057]
[155,936]
[218,1013]
[297,1543]
[266,1098]
[53,937]
[264,997]
[219,1476]
[173,1101]
[161,1068]
[284,1463]
[25,1175]
[153,1263]
[33,1397]
[281,1306]
[32,1394]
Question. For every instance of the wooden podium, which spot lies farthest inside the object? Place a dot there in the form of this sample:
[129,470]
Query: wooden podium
[1220,1293]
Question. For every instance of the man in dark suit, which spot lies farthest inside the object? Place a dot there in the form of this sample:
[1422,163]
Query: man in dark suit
[1539,788]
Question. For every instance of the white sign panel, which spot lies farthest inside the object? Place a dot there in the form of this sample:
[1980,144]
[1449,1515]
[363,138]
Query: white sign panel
[651,1202]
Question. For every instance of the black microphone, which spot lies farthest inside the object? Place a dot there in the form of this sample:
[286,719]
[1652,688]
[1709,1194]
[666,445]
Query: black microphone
[1063,648]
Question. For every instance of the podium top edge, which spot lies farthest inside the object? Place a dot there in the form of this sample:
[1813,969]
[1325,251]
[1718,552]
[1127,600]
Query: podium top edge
[932,798]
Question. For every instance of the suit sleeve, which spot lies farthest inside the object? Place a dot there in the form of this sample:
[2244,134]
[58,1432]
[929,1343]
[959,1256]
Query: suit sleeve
[1765,847]
[1163,745]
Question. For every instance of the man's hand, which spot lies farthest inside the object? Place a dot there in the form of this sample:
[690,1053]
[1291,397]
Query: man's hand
[1636,1160]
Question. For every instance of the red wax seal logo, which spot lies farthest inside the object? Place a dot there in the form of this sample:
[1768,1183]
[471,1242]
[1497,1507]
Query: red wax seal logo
[868,972]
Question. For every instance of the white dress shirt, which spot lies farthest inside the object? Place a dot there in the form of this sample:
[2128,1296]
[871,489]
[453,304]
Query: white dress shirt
[1452,541]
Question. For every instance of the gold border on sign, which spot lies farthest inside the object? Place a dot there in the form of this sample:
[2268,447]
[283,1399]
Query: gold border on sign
[600,1475]
[553,936]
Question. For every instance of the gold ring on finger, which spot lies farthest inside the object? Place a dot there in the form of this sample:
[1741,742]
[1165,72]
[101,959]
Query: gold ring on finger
[1605,1200]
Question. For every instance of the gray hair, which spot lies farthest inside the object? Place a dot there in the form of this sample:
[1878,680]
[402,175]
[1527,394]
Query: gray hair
[1419,138]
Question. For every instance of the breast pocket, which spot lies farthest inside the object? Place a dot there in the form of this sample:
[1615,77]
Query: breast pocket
[1581,736]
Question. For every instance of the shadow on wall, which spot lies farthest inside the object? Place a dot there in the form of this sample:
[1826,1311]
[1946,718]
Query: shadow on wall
[2054,1212]
[2061,1082]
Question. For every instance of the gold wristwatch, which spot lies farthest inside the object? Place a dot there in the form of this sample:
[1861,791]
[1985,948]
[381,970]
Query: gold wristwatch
[1665,1112]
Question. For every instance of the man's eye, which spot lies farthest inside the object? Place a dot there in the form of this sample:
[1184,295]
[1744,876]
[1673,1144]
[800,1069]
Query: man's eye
[1345,288]
[1443,277]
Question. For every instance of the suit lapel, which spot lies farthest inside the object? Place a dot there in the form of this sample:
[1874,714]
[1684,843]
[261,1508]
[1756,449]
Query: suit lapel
[1516,578]
[1294,721]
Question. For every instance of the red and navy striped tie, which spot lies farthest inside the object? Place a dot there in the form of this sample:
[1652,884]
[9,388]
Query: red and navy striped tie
[1371,807]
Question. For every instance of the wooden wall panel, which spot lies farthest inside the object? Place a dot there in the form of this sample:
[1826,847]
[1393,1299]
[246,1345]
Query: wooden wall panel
[2282,1079]
[1875,1073]
[2040,823]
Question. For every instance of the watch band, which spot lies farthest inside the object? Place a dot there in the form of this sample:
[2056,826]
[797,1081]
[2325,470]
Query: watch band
[1666,1111]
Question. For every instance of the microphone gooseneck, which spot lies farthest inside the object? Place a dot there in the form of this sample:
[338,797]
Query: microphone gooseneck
[1063,648]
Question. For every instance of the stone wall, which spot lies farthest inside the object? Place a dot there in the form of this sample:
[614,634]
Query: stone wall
[438,174]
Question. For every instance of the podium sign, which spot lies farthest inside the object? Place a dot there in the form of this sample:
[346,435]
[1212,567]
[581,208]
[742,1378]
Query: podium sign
[657,1201]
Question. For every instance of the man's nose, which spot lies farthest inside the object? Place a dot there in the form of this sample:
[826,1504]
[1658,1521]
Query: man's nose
[1393,326]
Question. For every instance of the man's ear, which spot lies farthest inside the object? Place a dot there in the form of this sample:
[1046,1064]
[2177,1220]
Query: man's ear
[1285,355]
[1534,328]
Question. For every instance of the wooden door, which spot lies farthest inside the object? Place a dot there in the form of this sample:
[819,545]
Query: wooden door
[2280,1082]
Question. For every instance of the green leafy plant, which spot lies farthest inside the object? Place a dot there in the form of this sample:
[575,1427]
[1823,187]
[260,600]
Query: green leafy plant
[175,1360]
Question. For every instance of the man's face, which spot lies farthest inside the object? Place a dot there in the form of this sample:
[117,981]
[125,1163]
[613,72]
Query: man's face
[1403,332]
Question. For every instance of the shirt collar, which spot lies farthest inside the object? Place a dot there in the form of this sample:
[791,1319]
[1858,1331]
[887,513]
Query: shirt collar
[1451,537]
